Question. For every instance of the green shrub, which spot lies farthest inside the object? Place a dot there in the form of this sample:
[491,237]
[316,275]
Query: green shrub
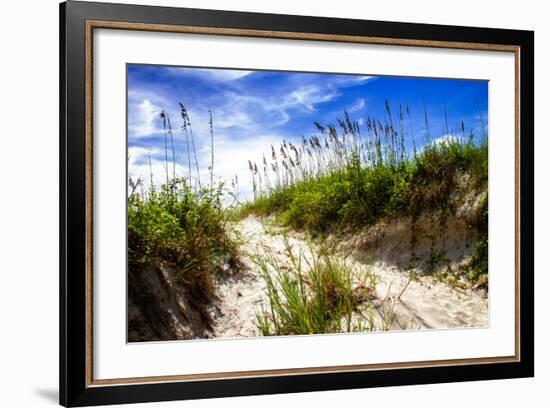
[185,229]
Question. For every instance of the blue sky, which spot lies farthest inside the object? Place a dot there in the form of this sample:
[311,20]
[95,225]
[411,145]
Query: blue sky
[254,109]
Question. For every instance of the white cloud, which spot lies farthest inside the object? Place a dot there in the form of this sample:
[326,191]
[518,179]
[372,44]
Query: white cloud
[137,154]
[215,74]
[228,75]
[231,159]
[144,119]
[236,111]
[350,80]
[245,111]
[364,78]
[357,106]
[143,172]
[307,97]
[140,169]
[446,139]
[240,109]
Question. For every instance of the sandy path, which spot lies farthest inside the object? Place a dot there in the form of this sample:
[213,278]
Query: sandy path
[424,304]
[243,296]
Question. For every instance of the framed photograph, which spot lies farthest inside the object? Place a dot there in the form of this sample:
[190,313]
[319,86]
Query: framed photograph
[256,204]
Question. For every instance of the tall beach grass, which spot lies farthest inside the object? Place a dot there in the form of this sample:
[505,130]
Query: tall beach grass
[352,174]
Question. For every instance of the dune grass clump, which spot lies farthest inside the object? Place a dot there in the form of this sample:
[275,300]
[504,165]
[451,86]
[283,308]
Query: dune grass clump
[314,294]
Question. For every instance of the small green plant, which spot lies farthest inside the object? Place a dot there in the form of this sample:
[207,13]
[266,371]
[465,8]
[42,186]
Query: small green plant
[479,264]
[435,259]
[314,294]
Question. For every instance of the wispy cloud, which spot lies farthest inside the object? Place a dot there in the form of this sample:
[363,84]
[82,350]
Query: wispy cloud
[446,139]
[308,97]
[221,75]
[358,105]
[231,159]
[144,118]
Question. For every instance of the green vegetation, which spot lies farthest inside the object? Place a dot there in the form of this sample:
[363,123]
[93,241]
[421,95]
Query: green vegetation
[358,194]
[314,295]
[479,265]
[351,176]
[182,227]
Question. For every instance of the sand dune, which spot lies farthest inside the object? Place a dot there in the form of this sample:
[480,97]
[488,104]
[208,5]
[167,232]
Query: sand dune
[423,303]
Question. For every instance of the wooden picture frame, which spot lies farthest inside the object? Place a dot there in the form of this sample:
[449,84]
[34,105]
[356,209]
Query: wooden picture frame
[78,20]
